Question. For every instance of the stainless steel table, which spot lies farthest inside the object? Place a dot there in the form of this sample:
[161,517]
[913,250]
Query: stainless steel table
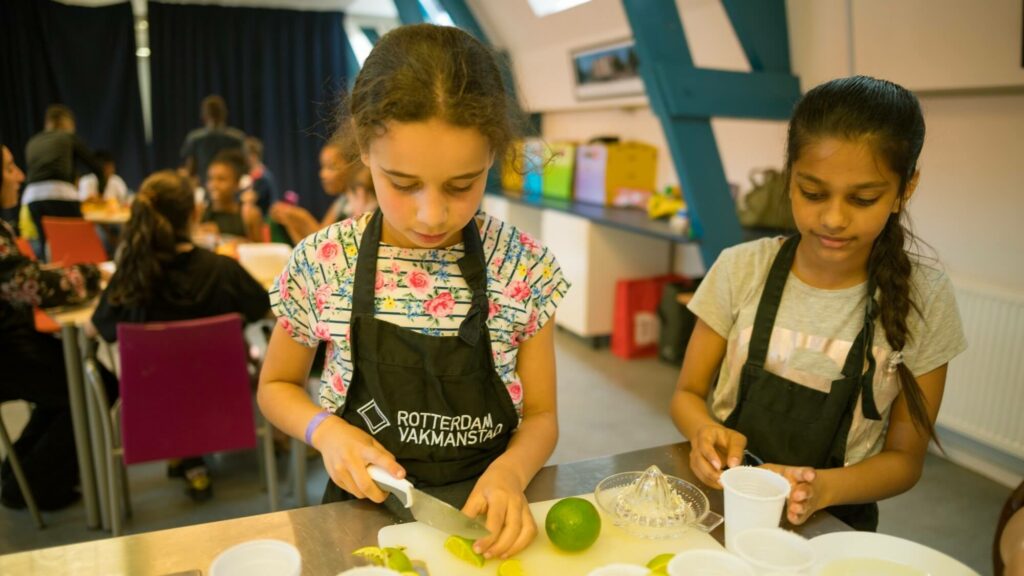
[326,535]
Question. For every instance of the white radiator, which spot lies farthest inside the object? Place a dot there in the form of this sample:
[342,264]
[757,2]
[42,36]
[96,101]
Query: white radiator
[984,398]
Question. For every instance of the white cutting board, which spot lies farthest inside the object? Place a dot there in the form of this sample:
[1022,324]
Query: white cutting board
[541,558]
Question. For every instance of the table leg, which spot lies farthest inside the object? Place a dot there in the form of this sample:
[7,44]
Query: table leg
[80,422]
[299,472]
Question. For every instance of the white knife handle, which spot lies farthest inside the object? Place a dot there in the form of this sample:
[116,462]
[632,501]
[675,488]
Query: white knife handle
[400,488]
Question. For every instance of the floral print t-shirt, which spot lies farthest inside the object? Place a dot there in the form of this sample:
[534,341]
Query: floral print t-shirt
[418,289]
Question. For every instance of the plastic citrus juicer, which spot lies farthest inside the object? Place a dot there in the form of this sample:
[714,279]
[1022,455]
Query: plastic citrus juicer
[651,504]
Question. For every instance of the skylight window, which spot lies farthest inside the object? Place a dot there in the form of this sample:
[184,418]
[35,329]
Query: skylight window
[543,8]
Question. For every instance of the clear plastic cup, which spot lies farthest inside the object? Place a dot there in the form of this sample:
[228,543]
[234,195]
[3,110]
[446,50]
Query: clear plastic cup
[754,498]
[775,551]
[619,570]
[706,562]
[258,558]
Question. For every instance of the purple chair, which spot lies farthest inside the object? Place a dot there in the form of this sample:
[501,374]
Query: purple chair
[185,390]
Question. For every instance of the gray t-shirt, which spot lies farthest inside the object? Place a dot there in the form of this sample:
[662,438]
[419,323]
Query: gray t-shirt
[815,329]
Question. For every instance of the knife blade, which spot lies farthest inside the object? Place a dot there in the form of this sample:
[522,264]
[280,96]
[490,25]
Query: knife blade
[428,509]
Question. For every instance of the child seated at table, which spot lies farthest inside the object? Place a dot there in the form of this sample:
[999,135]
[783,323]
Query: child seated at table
[162,276]
[34,362]
[228,213]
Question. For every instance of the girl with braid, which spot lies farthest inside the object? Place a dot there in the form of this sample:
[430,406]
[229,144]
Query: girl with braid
[162,276]
[830,346]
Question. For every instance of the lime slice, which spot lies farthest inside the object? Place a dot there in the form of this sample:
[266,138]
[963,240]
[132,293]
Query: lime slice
[659,564]
[462,548]
[377,556]
[510,567]
[397,560]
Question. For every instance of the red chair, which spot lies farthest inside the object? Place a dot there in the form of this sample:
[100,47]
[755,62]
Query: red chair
[73,241]
[185,390]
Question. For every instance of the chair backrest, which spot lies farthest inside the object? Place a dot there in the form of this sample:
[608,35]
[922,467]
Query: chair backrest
[264,261]
[73,241]
[25,247]
[184,388]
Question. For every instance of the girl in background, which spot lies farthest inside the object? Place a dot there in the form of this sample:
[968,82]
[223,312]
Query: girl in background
[335,171]
[162,276]
[830,346]
[227,213]
[33,363]
[433,312]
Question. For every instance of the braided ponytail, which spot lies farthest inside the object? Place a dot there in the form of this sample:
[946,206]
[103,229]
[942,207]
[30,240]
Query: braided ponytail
[890,266]
[888,117]
[160,219]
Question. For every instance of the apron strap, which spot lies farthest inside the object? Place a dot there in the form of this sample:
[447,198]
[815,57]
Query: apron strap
[768,307]
[366,267]
[475,272]
[862,352]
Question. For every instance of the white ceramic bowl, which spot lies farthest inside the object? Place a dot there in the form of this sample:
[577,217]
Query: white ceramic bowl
[258,558]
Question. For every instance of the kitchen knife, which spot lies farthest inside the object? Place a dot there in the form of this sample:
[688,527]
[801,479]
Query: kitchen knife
[428,509]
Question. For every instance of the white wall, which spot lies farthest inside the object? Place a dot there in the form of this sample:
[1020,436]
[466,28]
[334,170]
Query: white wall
[971,198]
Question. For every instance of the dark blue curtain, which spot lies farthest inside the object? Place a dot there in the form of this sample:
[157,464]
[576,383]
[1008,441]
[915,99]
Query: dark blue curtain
[78,56]
[281,73]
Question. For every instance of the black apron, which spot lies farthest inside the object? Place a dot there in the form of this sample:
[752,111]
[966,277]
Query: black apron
[435,402]
[787,423]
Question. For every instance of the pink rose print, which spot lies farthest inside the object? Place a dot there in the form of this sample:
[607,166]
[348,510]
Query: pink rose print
[513,339]
[282,285]
[322,294]
[440,306]
[395,270]
[493,309]
[528,242]
[338,383]
[518,290]
[498,261]
[419,281]
[286,325]
[327,251]
[515,390]
[322,331]
[378,281]
[531,324]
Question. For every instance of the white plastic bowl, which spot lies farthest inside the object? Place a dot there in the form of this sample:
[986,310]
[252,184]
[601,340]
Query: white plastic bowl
[707,562]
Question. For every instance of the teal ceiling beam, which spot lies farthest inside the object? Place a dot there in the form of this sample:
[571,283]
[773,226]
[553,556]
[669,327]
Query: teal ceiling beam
[762,30]
[463,17]
[703,93]
[410,12]
[685,98]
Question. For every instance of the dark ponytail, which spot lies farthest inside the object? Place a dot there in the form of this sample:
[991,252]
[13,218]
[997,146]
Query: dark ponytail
[160,219]
[888,117]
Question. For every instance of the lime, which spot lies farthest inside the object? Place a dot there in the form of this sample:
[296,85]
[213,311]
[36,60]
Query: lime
[659,564]
[377,556]
[511,567]
[573,524]
[397,560]
[462,548]
[393,558]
